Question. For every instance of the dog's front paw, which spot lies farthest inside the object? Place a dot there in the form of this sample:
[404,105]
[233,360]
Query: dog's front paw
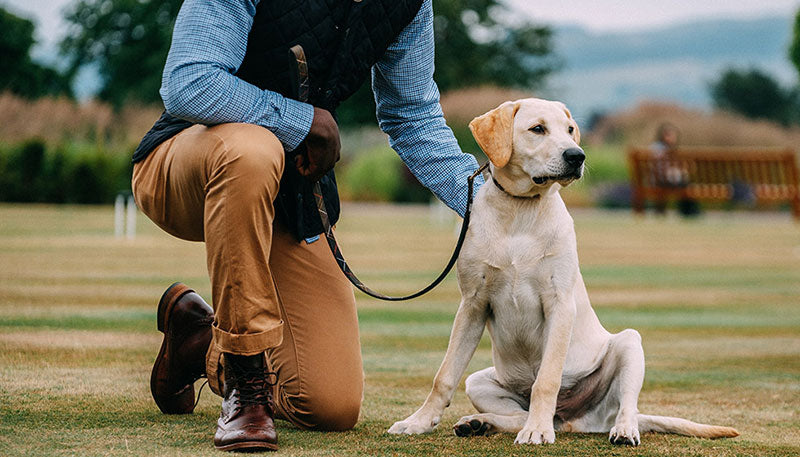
[625,435]
[415,424]
[473,426]
[535,436]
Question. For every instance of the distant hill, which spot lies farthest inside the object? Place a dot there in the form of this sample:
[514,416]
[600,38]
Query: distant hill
[609,71]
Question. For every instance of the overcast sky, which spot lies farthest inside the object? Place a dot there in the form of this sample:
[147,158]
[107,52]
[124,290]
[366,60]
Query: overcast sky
[622,15]
[598,15]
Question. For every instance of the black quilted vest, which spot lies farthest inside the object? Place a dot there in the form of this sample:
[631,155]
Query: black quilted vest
[342,39]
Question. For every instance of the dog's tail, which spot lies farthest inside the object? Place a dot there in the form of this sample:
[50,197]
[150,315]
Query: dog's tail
[685,427]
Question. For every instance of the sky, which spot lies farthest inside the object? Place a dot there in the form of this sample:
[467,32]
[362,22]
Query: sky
[635,15]
[597,15]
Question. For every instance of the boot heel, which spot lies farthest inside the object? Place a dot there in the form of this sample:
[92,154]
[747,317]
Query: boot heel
[170,296]
[185,320]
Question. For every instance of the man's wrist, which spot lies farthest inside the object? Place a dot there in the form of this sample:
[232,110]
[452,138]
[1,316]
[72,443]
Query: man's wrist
[293,122]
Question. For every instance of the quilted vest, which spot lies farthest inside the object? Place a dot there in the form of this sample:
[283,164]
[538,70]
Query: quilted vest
[342,40]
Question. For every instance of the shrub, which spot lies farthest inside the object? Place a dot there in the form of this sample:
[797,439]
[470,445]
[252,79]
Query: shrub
[68,173]
[22,179]
[605,163]
[380,175]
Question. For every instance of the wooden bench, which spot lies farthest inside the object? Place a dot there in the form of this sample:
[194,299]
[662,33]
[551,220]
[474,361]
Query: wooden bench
[715,174]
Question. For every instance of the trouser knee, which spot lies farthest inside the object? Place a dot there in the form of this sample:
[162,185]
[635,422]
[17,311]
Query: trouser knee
[251,162]
[319,410]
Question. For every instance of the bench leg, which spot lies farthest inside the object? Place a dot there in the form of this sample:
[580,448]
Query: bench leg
[637,201]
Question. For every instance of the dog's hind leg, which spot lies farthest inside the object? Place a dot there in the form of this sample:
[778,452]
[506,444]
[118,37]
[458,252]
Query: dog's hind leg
[625,360]
[625,351]
[500,409]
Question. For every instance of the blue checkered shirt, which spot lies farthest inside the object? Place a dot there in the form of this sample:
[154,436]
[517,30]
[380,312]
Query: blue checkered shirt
[209,44]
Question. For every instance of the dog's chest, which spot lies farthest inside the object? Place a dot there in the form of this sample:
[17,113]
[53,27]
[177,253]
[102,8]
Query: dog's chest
[516,276]
[512,266]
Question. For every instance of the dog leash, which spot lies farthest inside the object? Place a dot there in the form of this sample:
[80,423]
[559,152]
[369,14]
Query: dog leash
[337,252]
[302,91]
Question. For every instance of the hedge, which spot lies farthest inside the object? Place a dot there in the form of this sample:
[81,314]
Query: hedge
[80,173]
[67,173]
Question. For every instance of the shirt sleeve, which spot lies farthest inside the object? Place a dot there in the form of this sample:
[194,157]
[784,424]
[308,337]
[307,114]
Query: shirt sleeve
[199,83]
[408,111]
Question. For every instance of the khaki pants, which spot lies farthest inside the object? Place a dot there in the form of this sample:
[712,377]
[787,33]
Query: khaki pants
[269,292]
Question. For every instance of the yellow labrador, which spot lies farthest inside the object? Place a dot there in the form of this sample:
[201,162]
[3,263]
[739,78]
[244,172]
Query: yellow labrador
[556,367]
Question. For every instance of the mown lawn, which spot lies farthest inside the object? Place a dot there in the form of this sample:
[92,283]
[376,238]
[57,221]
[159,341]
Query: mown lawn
[717,301]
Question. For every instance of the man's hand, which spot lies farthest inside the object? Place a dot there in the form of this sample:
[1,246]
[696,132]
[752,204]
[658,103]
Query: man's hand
[322,147]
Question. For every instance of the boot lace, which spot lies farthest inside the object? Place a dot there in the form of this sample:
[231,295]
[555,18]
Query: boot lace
[254,385]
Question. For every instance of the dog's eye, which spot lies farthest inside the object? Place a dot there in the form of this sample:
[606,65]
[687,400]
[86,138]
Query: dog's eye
[537,129]
[571,130]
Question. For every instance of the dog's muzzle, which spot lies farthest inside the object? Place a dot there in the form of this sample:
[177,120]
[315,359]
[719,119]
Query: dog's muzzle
[573,158]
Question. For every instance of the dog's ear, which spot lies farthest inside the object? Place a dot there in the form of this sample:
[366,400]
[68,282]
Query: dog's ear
[576,134]
[495,134]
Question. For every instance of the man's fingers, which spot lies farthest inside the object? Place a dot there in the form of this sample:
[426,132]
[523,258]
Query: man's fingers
[304,167]
[323,146]
[310,171]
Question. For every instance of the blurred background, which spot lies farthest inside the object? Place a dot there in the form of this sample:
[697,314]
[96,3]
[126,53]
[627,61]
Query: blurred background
[79,86]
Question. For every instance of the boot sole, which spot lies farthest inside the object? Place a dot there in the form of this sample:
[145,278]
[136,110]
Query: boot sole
[170,296]
[248,446]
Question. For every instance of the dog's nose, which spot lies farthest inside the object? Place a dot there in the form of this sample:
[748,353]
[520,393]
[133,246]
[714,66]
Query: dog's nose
[574,157]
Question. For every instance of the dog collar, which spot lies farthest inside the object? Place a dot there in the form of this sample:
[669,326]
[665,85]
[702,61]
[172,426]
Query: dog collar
[510,194]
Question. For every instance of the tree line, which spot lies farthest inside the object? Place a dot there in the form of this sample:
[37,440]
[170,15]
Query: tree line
[127,42]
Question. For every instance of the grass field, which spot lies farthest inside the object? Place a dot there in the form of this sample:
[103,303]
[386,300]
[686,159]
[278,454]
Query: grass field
[717,302]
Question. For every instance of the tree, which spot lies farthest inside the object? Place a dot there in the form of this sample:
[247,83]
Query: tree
[126,40]
[794,49]
[18,73]
[475,46]
[755,95]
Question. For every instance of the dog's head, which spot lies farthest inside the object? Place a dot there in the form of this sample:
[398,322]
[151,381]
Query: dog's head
[531,143]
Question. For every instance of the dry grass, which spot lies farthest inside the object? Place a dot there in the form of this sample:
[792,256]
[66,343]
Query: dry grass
[715,300]
[461,106]
[640,124]
[58,119]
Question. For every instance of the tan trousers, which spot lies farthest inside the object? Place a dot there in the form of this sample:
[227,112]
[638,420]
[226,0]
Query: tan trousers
[269,292]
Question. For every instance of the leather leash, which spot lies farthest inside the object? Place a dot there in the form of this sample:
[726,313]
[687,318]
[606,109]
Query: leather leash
[302,95]
[337,253]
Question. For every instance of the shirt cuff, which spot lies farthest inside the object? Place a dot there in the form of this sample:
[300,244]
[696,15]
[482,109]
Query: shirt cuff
[293,123]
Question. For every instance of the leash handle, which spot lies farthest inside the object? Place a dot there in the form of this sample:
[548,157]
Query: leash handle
[300,80]
[337,252]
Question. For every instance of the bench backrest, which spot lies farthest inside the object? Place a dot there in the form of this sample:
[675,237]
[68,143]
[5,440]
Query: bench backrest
[712,172]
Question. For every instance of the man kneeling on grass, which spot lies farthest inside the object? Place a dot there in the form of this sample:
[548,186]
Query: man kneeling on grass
[222,165]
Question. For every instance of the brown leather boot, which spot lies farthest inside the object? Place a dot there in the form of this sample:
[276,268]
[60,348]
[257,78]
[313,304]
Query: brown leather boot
[246,421]
[185,319]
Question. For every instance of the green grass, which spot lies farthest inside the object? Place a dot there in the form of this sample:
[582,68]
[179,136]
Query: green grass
[716,301]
